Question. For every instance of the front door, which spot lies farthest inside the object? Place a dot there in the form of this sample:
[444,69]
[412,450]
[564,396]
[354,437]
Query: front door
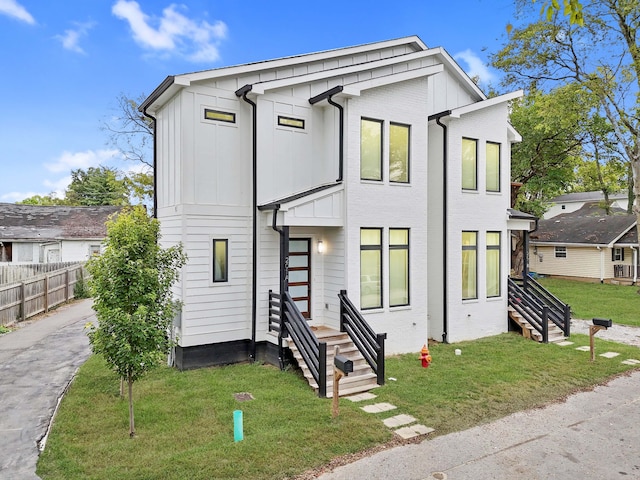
[300,274]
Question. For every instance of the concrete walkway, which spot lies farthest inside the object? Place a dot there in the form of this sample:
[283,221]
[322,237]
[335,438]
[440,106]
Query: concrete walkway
[37,362]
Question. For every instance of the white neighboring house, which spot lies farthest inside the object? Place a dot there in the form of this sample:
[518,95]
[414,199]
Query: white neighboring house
[571,202]
[50,234]
[379,169]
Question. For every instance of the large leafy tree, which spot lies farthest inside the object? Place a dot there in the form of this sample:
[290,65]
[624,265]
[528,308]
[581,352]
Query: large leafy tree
[131,133]
[97,186]
[131,286]
[602,56]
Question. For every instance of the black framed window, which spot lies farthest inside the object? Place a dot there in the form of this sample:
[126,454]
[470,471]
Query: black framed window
[220,260]
[493,167]
[399,150]
[290,122]
[469,265]
[561,252]
[370,268]
[398,267]
[370,149]
[469,164]
[493,264]
[219,116]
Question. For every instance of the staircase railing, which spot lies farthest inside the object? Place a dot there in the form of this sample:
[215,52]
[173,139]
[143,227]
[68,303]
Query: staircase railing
[536,314]
[370,344]
[274,311]
[313,352]
[559,312]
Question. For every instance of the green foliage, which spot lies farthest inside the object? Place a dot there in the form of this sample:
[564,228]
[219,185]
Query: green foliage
[621,303]
[50,199]
[4,329]
[188,428]
[80,289]
[131,286]
[97,186]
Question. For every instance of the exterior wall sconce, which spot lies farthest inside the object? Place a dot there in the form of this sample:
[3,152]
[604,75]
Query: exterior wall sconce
[320,246]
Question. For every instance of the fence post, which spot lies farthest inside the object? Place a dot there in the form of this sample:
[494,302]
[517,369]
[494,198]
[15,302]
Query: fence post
[23,302]
[380,360]
[46,293]
[342,293]
[66,285]
[545,324]
[322,369]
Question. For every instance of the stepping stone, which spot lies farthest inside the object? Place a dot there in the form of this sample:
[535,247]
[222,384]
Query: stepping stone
[361,397]
[609,354]
[378,407]
[631,361]
[564,343]
[413,431]
[586,348]
[398,420]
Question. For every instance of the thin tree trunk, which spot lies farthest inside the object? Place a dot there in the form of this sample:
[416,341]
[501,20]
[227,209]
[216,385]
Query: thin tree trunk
[121,387]
[132,427]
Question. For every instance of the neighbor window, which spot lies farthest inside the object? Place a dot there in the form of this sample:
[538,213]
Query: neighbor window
[469,164]
[6,251]
[219,116]
[493,264]
[561,252]
[398,267]
[370,149]
[617,255]
[220,260]
[398,153]
[469,265]
[370,268]
[493,167]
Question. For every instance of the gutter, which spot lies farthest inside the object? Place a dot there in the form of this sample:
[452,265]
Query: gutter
[328,96]
[445,292]
[242,92]
[155,155]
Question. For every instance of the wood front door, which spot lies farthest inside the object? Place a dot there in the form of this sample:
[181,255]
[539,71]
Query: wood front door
[300,274]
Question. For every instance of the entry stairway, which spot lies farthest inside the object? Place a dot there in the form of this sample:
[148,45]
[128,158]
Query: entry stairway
[362,379]
[541,316]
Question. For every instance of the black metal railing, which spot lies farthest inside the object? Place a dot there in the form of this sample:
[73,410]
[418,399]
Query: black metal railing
[370,344]
[539,306]
[313,352]
[274,311]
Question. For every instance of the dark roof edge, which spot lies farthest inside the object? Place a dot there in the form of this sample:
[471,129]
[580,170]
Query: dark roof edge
[277,203]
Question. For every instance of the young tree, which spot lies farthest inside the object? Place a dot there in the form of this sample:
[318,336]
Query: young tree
[131,287]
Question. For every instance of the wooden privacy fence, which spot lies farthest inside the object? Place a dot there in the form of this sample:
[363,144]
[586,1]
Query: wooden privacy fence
[38,294]
[17,273]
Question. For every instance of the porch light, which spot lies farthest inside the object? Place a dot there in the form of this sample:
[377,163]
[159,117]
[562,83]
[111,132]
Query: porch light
[320,246]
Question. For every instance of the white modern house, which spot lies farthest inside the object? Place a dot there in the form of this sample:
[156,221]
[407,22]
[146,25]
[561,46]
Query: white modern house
[380,171]
[31,234]
[571,202]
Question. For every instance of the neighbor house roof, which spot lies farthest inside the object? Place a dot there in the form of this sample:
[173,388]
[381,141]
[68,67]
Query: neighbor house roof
[586,197]
[589,225]
[44,223]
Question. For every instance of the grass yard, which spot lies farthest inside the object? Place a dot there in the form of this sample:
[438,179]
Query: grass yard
[184,419]
[620,303]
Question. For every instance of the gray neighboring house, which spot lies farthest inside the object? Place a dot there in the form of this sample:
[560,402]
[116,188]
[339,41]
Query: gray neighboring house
[587,245]
[50,234]
[571,202]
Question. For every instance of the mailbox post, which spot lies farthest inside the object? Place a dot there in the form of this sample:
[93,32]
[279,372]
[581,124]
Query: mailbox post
[598,324]
[342,366]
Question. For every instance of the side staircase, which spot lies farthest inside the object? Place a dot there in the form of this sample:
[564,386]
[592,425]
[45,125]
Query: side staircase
[362,379]
[541,316]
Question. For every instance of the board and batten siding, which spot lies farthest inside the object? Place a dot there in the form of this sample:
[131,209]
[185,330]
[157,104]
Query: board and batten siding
[479,211]
[383,204]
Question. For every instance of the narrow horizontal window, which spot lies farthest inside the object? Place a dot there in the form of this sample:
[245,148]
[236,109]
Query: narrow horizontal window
[290,122]
[219,116]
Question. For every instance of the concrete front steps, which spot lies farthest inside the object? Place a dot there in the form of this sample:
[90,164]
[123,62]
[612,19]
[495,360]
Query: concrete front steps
[362,379]
[555,334]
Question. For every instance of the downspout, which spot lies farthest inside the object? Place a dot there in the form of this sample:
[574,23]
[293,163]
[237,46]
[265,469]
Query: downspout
[155,156]
[525,248]
[445,293]
[635,265]
[329,96]
[242,92]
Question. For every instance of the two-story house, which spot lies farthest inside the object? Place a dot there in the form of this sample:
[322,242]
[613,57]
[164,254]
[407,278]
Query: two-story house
[380,169]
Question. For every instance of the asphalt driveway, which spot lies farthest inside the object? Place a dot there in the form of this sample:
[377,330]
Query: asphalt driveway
[37,363]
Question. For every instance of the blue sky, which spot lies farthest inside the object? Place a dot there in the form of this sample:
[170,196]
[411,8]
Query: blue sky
[64,63]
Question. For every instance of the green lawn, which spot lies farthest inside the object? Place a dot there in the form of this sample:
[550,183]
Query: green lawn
[184,419]
[617,302]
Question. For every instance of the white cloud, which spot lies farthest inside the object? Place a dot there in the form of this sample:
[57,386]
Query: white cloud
[17,11]
[71,38]
[13,197]
[58,187]
[173,33]
[475,66]
[89,158]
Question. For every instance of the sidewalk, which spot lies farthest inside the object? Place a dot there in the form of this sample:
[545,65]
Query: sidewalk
[37,362]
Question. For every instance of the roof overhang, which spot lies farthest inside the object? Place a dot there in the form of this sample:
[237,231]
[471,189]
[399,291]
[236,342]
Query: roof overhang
[490,102]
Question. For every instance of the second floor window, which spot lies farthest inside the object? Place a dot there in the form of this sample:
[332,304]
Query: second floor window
[469,164]
[398,153]
[370,149]
[493,167]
